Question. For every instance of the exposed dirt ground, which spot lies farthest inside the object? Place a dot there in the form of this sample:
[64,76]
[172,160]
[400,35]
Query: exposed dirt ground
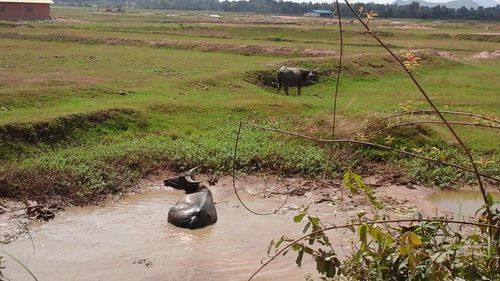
[246,49]
[487,55]
[46,78]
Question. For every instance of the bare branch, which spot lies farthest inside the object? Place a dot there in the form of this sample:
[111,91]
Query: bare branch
[433,106]
[402,124]
[338,70]
[234,181]
[366,143]
[430,112]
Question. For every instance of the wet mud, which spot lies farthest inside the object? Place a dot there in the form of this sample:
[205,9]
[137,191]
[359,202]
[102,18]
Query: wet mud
[131,240]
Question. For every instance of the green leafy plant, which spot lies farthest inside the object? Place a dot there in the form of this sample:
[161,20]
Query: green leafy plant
[327,262]
[411,249]
[355,184]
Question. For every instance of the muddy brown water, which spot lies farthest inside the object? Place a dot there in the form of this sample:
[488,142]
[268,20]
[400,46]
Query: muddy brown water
[119,240]
[462,203]
[102,243]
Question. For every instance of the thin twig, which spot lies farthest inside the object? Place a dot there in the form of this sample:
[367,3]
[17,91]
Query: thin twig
[31,238]
[20,263]
[434,107]
[366,143]
[338,71]
[365,223]
[430,112]
[234,181]
[402,124]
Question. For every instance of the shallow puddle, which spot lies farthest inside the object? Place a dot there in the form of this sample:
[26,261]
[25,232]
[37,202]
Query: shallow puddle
[462,203]
[102,243]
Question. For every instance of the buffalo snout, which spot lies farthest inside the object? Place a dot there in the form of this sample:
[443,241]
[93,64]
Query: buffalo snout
[178,182]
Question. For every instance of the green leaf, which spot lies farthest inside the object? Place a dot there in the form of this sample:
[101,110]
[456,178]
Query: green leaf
[362,236]
[298,218]
[361,213]
[324,267]
[315,221]
[297,246]
[278,243]
[489,199]
[404,250]
[306,227]
[414,239]
[320,264]
[308,250]
[270,246]
[412,263]
[298,261]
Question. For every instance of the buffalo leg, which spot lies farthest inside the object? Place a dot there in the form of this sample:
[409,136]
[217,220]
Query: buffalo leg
[298,90]
[286,90]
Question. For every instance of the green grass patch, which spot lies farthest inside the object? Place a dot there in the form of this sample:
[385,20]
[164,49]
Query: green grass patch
[89,106]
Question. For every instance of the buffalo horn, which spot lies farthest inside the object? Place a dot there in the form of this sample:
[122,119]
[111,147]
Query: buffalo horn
[187,175]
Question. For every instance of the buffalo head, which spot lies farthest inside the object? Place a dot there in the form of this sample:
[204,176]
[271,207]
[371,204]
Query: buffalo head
[184,181]
[310,76]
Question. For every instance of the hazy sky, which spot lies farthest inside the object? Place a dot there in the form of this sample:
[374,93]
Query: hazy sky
[357,1]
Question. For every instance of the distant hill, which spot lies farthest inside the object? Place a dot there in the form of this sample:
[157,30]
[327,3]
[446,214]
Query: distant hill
[452,4]
[487,3]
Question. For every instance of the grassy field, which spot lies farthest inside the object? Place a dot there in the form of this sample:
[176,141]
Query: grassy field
[92,102]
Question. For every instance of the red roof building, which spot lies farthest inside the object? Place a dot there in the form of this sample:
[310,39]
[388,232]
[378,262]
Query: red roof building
[25,9]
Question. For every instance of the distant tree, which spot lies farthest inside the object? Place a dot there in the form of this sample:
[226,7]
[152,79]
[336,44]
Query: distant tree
[413,10]
[462,13]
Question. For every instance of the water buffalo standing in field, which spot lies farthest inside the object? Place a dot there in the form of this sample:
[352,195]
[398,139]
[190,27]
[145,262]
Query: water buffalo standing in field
[196,209]
[294,77]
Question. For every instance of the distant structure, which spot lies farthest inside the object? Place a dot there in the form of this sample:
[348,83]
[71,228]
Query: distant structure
[25,9]
[317,14]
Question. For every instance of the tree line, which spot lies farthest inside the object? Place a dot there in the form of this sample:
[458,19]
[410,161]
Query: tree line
[413,10]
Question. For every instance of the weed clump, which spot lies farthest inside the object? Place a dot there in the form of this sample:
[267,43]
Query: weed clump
[439,36]
[278,39]
[262,78]
[63,129]
[81,175]
[479,37]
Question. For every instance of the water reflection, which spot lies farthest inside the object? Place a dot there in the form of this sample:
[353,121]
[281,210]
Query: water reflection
[102,243]
[462,203]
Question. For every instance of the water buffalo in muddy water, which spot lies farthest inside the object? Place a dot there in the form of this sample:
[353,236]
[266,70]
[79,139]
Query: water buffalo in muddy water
[294,77]
[196,209]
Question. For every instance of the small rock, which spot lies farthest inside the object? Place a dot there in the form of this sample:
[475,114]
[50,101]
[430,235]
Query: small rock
[411,186]
[147,262]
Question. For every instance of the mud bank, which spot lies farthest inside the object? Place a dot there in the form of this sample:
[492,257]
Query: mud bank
[243,49]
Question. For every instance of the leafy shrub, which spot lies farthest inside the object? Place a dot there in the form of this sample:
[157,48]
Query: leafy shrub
[418,250]
[479,37]
[439,36]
